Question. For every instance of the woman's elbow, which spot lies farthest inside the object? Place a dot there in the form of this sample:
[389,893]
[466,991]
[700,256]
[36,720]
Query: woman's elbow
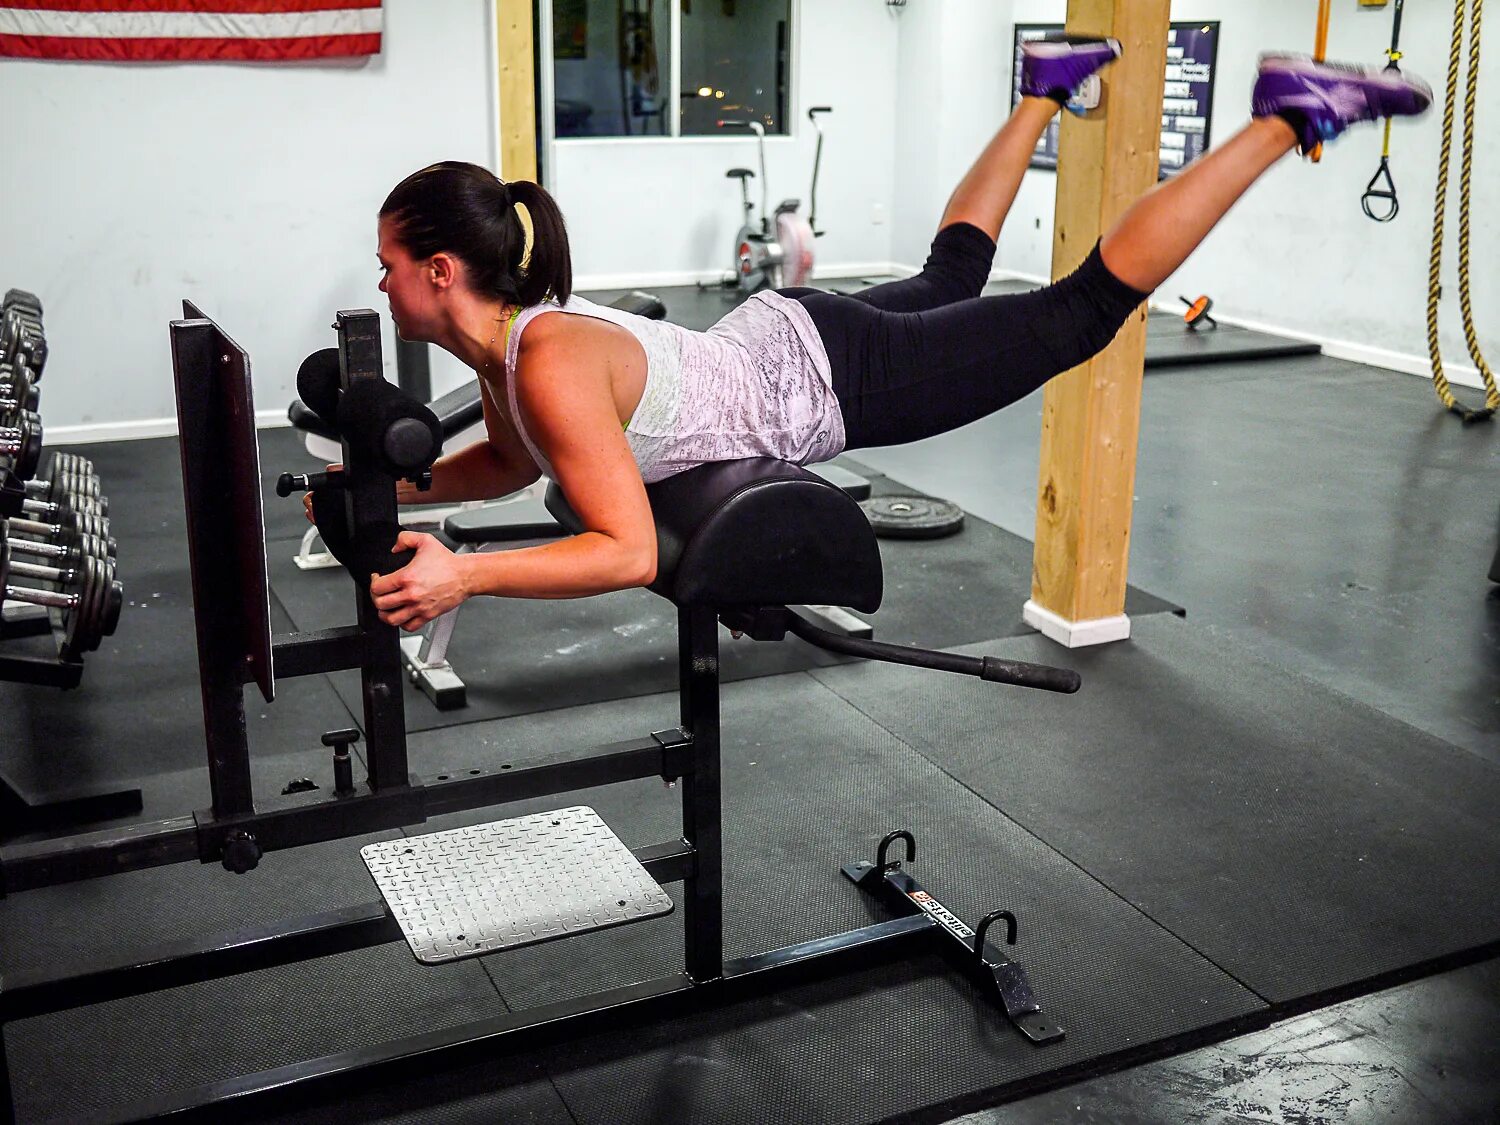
[642,568]
[648,569]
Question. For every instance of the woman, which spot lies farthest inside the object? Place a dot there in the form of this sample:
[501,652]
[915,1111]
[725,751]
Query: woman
[604,402]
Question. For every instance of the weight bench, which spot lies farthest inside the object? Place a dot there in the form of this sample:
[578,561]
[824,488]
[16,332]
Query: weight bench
[738,542]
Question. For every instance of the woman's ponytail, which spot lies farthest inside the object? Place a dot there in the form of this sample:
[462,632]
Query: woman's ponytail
[549,269]
[465,210]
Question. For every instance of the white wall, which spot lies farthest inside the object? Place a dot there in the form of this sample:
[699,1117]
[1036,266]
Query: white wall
[251,190]
[1298,254]
[955,92]
[659,212]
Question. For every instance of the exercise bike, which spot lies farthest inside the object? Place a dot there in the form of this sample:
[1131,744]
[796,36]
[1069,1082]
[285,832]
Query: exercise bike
[777,251]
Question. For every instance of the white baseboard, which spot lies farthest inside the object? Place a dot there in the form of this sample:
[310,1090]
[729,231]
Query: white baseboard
[1076,634]
[864,269]
[585,282]
[1460,375]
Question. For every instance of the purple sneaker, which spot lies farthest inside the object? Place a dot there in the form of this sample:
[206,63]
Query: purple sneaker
[1322,99]
[1056,66]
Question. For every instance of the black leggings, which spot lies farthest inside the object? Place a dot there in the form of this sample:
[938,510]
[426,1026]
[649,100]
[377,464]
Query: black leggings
[928,354]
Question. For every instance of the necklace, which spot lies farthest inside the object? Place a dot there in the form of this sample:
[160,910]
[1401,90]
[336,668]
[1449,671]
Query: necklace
[501,321]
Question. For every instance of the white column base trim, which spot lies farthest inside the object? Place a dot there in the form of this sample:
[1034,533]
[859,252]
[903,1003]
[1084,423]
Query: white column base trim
[1076,634]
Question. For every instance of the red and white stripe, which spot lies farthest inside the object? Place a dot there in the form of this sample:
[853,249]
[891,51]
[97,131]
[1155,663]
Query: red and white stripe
[174,30]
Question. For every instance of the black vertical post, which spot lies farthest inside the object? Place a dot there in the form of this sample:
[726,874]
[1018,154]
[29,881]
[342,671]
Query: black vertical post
[371,502]
[413,369]
[219,617]
[702,819]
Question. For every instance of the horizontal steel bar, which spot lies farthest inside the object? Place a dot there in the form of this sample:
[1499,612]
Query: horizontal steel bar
[601,765]
[23,995]
[326,650]
[651,1000]
[297,819]
[89,855]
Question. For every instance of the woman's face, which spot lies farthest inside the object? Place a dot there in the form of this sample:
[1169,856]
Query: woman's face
[406,282]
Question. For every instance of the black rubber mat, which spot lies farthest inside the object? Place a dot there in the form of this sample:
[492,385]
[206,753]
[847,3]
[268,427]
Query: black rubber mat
[90,1060]
[143,480]
[1170,343]
[137,711]
[1301,840]
[520,656]
[809,783]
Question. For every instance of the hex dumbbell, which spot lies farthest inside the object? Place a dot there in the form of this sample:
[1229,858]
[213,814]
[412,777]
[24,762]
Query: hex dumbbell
[70,492]
[18,390]
[21,443]
[21,299]
[22,342]
[88,526]
[85,607]
[68,553]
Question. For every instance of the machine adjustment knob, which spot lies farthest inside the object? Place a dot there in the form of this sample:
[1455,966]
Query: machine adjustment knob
[241,852]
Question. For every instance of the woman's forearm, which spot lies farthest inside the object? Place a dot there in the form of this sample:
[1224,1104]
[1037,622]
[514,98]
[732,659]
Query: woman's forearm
[577,567]
[476,472]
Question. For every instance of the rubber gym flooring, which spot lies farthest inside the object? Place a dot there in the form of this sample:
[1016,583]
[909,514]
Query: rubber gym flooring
[1278,802]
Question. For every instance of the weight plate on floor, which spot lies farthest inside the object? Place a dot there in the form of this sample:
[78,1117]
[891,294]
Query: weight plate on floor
[913,517]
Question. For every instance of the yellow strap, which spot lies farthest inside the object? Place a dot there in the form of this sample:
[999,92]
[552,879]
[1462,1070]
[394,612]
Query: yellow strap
[506,342]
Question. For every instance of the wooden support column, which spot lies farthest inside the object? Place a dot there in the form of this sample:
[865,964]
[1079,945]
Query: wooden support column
[1091,415]
[515,35]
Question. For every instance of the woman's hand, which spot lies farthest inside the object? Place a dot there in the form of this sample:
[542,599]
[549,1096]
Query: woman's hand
[427,587]
[308,495]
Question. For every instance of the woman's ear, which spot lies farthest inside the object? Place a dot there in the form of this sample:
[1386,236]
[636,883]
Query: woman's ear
[442,269]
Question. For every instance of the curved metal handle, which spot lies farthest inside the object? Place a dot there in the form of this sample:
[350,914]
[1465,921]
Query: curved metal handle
[885,844]
[984,927]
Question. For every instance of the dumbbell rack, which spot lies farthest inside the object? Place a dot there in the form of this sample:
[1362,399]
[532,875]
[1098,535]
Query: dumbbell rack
[23,356]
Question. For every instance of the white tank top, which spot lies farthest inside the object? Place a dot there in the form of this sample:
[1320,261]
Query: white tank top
[756,384]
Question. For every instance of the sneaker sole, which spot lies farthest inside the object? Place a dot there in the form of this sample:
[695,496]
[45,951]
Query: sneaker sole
[1056,49]
[1393,80]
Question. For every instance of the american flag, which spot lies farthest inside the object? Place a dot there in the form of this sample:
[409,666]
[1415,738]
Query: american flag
[183,30]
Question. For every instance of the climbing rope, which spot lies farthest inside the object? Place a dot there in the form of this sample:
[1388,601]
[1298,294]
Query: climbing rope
[1434,276]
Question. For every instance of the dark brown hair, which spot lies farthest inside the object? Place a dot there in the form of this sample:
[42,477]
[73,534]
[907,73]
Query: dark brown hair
[469,212]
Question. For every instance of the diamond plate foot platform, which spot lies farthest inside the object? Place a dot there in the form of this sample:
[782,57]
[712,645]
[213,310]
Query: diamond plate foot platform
[511,883]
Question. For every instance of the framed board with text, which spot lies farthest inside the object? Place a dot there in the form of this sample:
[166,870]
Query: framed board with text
[1187,107]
